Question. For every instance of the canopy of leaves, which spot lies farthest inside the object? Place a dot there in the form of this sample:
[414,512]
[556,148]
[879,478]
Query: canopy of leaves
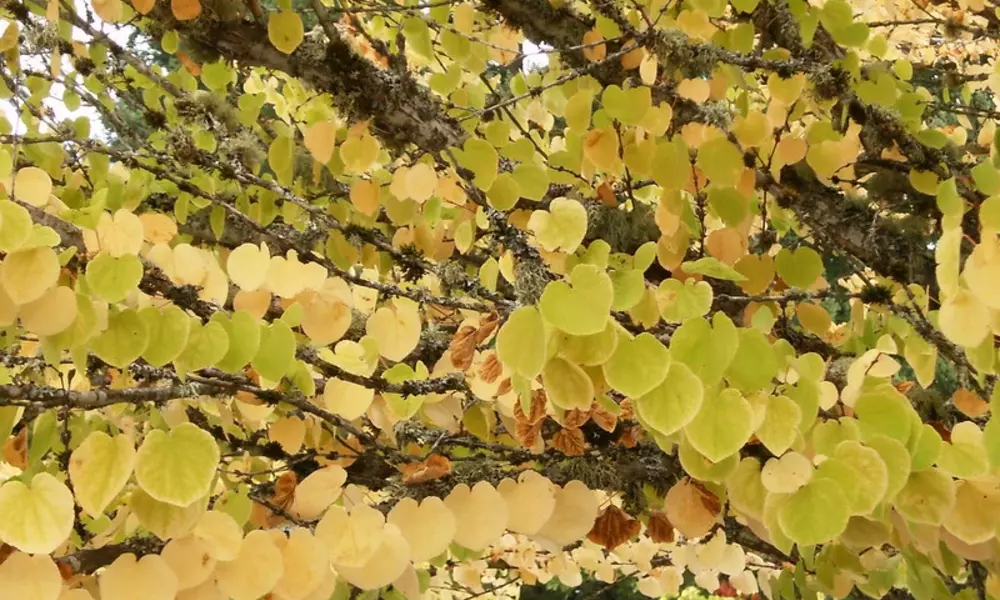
[442,299]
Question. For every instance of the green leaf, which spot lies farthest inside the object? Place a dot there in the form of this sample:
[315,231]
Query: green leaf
[799,268]
[113,278]
[276,352]
[123,341]
[680,302]
[671,405]
[177,467]
[815,514]
[567,385]
[927,497]
[582,306]
[780,425]
[707,349]
[244,340]
[169,329]
[755,364]
[206,346]
[522,344]
[722,425]
[638,365]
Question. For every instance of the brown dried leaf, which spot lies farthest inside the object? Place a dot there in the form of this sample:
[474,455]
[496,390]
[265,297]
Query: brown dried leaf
[574,419]
[630,437]
[15,449]
[606,194]
[463,347]
[433,467]
[491,368]
[969,403]
[628,411]
[708,499]
[688,508]
[603,418]
[284,494]
[659,529]
[505,386]
[5,552]
[613,528]
[569,441]
[284,489]
[537,409]
[527,434]
[487,325]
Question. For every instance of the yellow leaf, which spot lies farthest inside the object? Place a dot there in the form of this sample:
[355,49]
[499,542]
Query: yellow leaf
[396,328]
[53,313]
[320,139]
[45,514]
[285,31]
[27,274]
[595,50]
[109,10]
[365,195]
[33,186]
[256,569]
[26,577]
[600,146]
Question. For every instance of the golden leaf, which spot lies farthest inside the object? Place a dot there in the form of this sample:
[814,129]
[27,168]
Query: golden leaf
[569,441]
[691,508]
[15,449]
[613,528]
[969,403]
[594,51]
[433,467]
[185,10]
[659,529]
[143,6]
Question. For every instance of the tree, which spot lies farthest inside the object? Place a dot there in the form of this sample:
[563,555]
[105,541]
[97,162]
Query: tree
[356,300]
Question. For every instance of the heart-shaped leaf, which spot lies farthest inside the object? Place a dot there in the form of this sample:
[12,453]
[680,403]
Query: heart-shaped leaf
[177,467]
[99,469]
[582,309]
[44,510]
[722,425]
[638,365]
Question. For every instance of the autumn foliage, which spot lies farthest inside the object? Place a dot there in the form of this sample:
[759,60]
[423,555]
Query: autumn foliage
[419,300]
